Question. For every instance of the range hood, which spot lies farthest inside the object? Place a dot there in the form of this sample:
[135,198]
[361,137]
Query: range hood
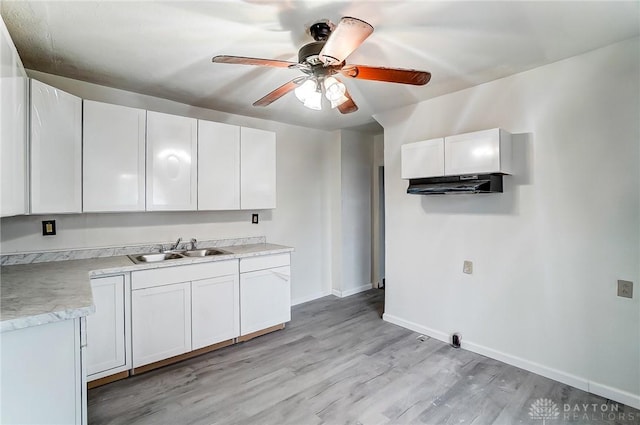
[477,183]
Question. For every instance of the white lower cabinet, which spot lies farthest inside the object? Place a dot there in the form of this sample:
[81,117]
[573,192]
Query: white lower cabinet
[179,309]
[161,322]
[215,311]
[43,380]
[265,292]
[108,351]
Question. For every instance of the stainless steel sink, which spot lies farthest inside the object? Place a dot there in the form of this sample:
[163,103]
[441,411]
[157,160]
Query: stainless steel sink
[175,255]
[203,252]
[153,258]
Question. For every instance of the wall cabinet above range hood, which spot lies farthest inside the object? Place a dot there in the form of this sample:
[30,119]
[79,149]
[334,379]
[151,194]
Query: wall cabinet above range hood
[465,163]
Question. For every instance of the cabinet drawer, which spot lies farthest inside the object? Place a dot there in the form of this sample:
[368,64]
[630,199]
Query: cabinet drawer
[264,262]
[167,275]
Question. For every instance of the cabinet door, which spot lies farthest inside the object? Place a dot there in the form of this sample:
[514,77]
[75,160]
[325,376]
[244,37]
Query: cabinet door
[171,162]
[473,153]
[257,169]
[265,299]
[161,322]
[41,375]
[423,159]
[218,166]
[113,140]
[215,314]
[56,150]
[13,131]
[106,328]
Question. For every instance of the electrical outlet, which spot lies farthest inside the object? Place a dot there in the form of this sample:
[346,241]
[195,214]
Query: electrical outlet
[254,218]
[625,289]
[48,227]
[467,267]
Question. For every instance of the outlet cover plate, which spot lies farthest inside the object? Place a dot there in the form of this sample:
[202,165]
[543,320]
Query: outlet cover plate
[48,227]
[467,267]
[625,289]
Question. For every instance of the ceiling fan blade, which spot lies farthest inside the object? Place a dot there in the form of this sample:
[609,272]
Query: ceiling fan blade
[279,92]
[392,75]
[241,60]
[344,39]
[349,105]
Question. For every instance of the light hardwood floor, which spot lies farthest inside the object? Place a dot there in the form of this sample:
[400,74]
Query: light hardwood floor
[337,362]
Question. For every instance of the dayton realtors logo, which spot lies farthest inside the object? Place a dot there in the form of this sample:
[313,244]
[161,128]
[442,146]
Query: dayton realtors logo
[544,409]
[597,412]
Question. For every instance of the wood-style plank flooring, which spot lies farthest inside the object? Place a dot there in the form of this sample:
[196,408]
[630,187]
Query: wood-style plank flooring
[337,362]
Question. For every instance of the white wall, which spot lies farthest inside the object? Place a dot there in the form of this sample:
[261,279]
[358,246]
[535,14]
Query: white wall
[548,251]
[300,219]
[377,212]
[350,211]
[356,159]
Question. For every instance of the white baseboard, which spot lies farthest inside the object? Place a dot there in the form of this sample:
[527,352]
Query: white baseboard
[441,336]
[351,291]
[308,298]
[579,382]
[548,372]
[615,394]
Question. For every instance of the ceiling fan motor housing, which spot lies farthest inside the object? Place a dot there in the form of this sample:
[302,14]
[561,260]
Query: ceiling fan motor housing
[320,31]
[309,53]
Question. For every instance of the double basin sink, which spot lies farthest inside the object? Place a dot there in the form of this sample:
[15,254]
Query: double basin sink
[175,255]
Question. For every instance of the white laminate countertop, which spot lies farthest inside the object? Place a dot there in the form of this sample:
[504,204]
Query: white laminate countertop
[35,294]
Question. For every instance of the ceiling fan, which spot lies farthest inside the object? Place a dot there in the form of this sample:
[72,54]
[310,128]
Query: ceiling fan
[322,60]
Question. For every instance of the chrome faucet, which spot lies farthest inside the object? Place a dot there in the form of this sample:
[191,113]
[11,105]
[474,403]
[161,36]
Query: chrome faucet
[194,241]
[175,246]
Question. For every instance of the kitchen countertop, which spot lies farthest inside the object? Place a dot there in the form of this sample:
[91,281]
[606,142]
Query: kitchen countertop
[35,294]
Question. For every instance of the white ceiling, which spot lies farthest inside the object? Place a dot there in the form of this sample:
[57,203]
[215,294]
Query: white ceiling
[164,49]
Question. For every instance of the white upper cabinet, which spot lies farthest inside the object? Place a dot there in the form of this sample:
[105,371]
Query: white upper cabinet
[56,150]
[13,131]
[480,152]
[218,166]
[423,159]
[171,162]
[113,157]
[258,169]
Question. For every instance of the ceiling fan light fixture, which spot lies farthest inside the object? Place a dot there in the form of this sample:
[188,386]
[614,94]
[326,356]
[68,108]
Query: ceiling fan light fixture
[305,90]
[333,89]
[314,101]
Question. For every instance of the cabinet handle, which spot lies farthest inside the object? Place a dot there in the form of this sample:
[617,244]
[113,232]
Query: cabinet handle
[282,276]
